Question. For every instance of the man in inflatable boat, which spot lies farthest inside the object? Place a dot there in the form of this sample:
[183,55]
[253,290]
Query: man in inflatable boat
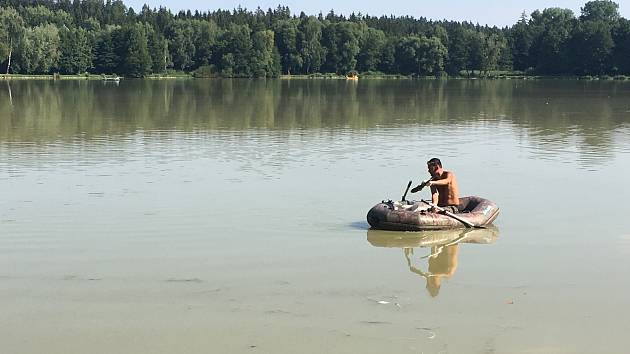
[444,191]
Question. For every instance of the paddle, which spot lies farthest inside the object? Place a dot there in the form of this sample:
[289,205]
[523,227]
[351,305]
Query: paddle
[419,187]
[448,213]
[406,190]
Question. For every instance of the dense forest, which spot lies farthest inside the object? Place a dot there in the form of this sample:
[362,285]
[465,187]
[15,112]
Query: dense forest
[72,37]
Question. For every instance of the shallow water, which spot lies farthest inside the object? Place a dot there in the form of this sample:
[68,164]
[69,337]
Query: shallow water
[229,216]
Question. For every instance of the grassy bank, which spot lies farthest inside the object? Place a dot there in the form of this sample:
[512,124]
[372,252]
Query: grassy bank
[170,75]
[57,77]
[330,76]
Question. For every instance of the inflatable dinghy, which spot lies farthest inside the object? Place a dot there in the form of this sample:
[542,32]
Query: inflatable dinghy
[474,212]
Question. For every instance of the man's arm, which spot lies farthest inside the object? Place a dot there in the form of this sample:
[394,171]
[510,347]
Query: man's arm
[444,181]
[434,195]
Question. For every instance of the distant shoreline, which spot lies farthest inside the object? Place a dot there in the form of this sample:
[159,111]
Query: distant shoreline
[320,76]
[106,37]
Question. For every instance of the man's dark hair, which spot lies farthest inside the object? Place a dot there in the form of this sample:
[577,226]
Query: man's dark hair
[434,162]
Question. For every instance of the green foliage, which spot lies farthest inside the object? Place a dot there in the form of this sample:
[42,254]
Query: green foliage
[206,71]
[621,51]
[158,50]
[459,50]
[41,15]
[181,44]
[276,66]
[262,64]
[11,32]
[106,57]
[287,41]
[601,10]
[91,25]
[349,36]
[591,47]
[76,52]
[494,46]
[552,29]
[206,34]
[39,50]
[341,40]
[137,59]
[369,57]
[235,46]
[105,37]
[441,33]
[487,52]
[476,51]
[420,55]
[520,42]
[388,56]
[310,44]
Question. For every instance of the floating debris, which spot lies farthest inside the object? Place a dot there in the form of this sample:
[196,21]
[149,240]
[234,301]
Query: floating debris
[191,280]
[279,311]
[430,333]
[384,302]
[376,322]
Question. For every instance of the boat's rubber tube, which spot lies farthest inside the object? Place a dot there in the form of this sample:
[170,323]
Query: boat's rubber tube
[413,216]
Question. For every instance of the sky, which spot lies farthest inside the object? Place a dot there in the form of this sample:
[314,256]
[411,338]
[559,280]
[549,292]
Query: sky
[490,12]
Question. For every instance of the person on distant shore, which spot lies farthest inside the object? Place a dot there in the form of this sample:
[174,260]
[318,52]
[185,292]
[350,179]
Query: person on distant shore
[444,190]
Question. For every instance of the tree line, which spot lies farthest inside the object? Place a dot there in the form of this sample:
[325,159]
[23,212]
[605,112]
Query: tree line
[106,37]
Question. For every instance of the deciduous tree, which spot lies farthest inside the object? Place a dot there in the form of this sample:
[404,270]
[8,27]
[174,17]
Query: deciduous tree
[11,33]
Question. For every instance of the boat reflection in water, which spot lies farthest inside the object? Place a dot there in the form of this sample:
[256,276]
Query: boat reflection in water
[444,246]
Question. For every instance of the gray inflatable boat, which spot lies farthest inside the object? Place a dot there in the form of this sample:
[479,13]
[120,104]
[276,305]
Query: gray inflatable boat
[414,215]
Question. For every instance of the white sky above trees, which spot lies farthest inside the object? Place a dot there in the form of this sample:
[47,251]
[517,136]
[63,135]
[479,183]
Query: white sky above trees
[491,12]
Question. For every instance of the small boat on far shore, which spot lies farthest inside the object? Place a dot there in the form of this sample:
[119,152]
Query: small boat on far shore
[111,78]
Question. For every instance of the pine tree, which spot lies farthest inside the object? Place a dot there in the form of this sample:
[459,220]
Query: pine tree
[137,60]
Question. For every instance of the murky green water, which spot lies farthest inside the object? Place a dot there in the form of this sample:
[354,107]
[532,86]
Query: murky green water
[229,216]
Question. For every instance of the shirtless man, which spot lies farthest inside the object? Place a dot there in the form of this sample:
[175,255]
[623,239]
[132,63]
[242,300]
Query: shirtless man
[444,191]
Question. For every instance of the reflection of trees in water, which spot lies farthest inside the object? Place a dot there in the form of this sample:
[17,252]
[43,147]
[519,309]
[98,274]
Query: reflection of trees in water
[572,116]
[550,111]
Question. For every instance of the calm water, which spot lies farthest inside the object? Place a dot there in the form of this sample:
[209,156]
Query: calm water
[229,216]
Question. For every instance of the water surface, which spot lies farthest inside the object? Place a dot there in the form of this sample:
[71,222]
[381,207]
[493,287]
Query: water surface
[205,216]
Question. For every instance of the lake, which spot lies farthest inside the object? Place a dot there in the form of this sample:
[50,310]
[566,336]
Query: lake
[228,216]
